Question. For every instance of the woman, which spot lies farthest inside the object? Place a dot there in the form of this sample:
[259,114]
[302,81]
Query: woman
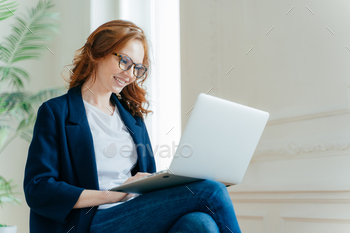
[78,151]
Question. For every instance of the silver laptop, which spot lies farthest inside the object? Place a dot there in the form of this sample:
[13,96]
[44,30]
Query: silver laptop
[218,143]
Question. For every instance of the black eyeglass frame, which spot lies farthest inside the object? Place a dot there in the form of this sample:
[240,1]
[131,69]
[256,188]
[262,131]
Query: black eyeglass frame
[133,64]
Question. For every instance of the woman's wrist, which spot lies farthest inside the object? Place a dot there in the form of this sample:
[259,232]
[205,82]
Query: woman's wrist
[128,197]
[112,196]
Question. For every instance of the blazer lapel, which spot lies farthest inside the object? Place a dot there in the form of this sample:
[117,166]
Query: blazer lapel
[132,125]
[80,140]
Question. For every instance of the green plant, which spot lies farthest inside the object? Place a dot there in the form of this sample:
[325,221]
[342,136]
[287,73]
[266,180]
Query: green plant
[27,41]
[6,193]
[18,107]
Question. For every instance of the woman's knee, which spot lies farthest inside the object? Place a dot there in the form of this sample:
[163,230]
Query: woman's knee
[208,187]
[214,184]
[195,222]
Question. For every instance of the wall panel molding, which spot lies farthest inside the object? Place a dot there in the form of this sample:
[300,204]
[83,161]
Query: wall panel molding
[253,215]
[309,117]
[323,197]
[331,146]
[317,220]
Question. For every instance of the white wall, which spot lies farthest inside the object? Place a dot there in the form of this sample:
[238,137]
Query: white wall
[74,27]
[287,62]
[102,12]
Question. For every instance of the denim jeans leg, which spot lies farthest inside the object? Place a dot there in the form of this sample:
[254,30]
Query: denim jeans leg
[195,222]
[159,210]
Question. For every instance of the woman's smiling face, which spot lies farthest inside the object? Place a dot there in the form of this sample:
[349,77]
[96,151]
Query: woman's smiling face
[108,67]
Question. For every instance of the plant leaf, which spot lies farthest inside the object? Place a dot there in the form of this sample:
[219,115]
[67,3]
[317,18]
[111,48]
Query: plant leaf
[7,9]
[14,75]
[4,129]
[6,194]
[28,40]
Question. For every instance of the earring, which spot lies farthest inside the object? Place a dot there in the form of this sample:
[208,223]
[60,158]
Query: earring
[119,96]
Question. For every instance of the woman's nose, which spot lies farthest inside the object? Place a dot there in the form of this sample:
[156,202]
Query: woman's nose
[129,72]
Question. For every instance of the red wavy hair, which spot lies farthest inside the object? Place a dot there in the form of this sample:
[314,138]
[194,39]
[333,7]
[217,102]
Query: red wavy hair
[106,39]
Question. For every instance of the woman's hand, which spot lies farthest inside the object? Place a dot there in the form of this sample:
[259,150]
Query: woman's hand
[121,196]
[129,196]
[137,176]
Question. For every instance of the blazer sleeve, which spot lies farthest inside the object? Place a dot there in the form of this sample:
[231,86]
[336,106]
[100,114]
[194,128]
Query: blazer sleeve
[45,194]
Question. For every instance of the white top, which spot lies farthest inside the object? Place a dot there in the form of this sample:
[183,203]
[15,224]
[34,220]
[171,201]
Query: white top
[114,147]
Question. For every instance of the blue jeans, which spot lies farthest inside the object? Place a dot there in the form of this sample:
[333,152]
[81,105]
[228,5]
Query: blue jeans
[201,206]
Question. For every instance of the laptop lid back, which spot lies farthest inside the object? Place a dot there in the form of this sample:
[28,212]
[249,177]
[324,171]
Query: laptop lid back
[219,140]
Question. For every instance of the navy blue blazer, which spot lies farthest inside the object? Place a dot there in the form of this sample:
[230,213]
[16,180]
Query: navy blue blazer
[61,162]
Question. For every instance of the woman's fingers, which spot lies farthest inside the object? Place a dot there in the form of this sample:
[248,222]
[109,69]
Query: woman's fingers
[142,174]
[137,176]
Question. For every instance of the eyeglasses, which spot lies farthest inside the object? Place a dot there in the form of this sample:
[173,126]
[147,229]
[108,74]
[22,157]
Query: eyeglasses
[125,63]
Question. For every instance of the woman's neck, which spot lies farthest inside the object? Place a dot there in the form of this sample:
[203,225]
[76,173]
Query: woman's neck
[97,96]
